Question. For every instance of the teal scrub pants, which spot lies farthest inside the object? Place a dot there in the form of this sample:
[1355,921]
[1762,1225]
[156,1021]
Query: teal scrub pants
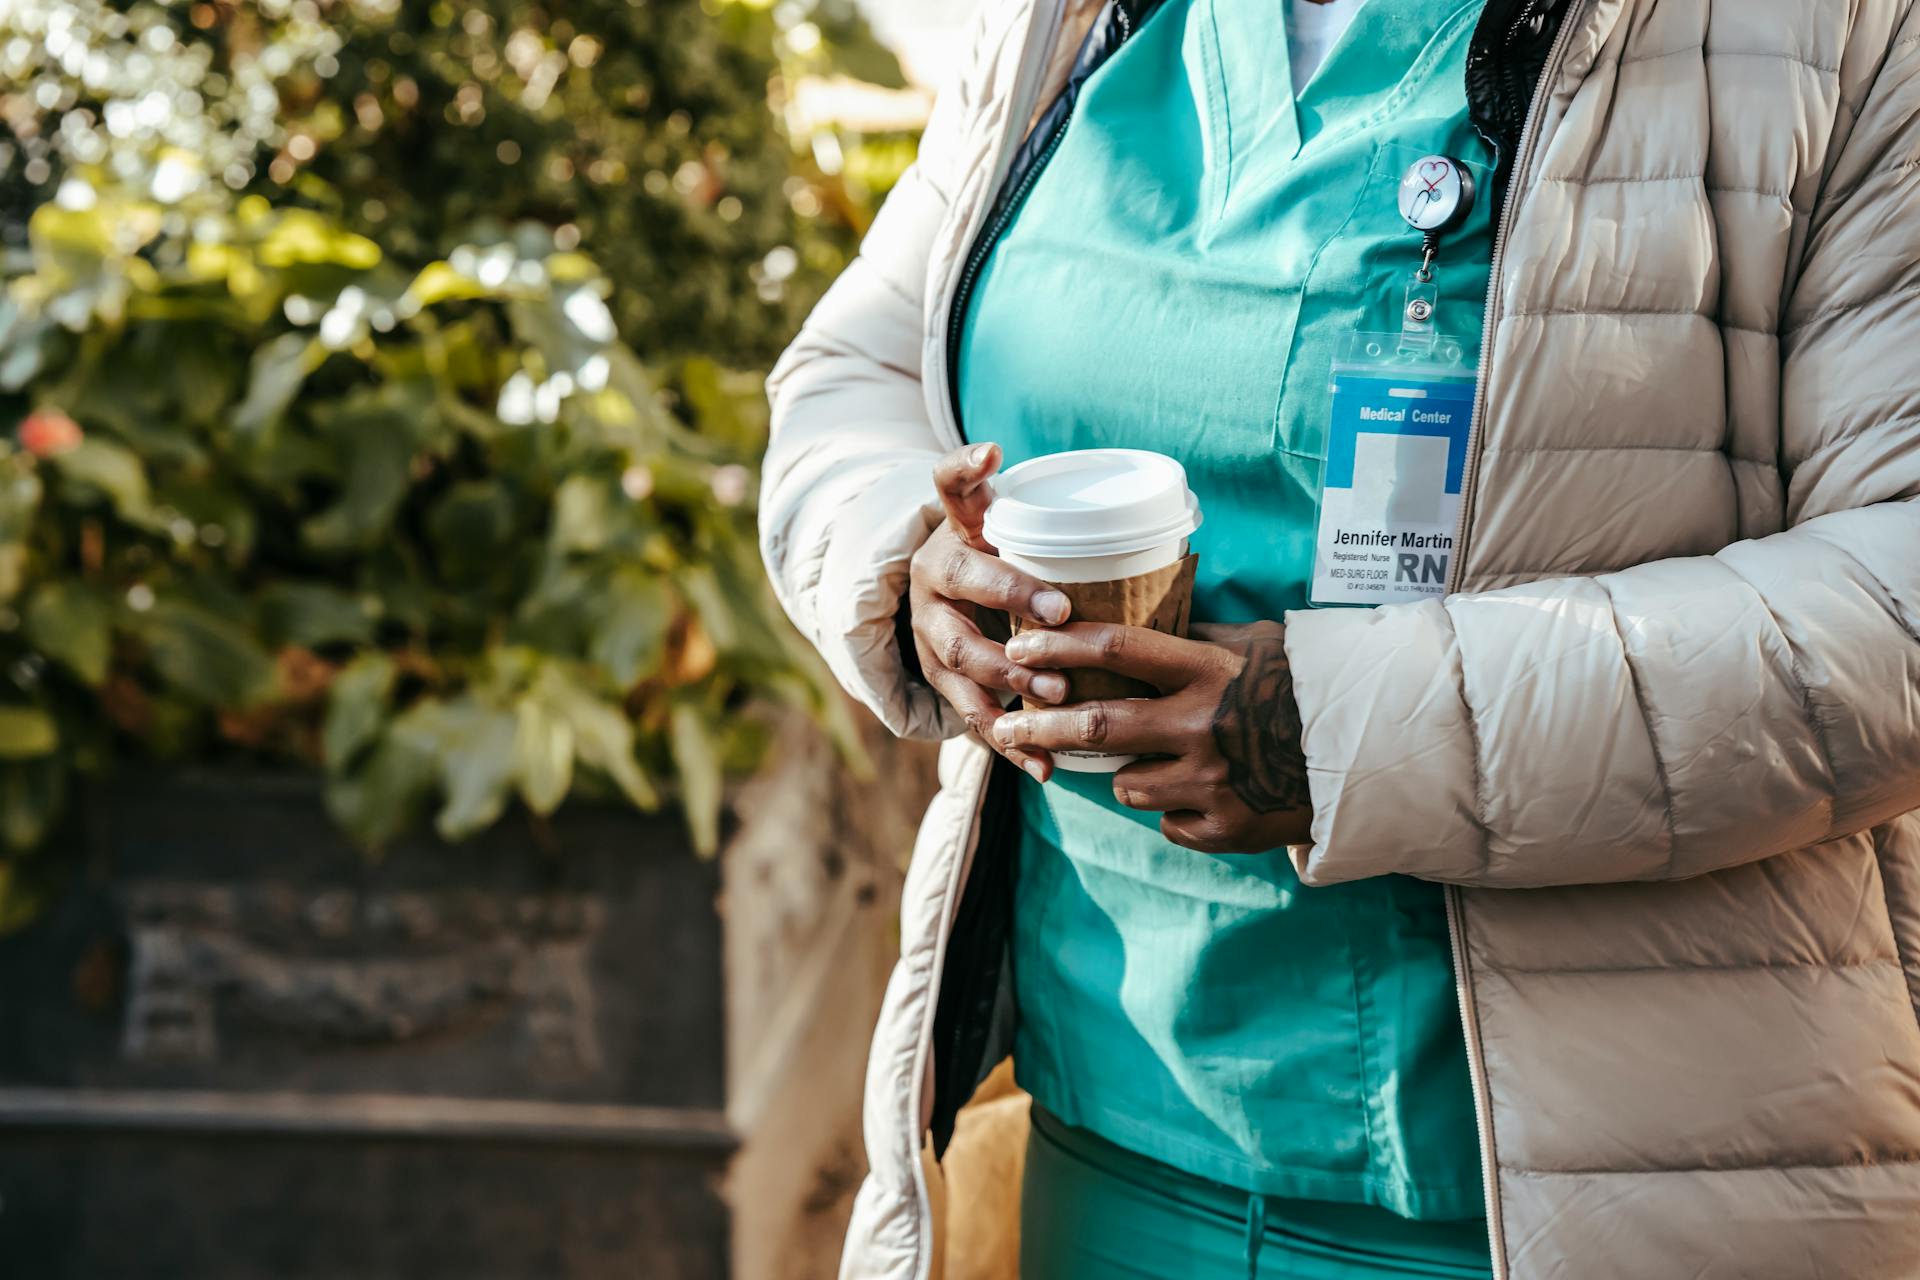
[1093,1211]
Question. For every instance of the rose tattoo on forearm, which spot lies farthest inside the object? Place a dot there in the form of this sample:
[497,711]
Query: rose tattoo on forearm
[1257,728]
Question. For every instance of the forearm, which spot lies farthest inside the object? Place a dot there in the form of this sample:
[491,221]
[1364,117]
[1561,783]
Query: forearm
[1661,722]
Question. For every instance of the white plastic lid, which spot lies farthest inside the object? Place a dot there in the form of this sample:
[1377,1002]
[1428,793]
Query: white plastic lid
[1092,502]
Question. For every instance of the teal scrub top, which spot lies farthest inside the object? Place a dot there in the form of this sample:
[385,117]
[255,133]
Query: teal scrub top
[1177,279]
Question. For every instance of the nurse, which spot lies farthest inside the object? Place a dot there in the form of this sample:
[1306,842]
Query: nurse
[1556,911]
[1230,1076]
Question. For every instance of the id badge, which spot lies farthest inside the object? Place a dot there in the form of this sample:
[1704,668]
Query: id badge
[1390,486]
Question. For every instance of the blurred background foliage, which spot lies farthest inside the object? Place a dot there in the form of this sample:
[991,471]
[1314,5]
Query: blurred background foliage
[386,386]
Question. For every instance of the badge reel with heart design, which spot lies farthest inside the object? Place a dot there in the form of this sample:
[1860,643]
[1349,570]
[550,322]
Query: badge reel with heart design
[1401,409]
[1436,195]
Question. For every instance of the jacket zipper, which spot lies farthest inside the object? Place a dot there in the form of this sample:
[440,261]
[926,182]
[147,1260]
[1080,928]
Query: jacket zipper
[1456,926]
[1532,14]
[989,238]
[1044,16]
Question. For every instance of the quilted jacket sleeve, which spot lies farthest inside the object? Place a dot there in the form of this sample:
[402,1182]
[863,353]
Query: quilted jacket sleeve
[847,487]
[1687,714]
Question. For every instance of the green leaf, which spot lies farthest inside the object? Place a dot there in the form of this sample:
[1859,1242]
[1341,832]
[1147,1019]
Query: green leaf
[24,341]
[474,748]
[108,469]
[279,369]
[727,405]
[696,755]
[356,708]
[214,503]
[630,629]
[311,615]
[72,624]
[377,447]
[476,776]
[602,733]
[400,596]
[381,798]
[208,657]
[569,329]
[583,514]
[542,754]
[27,732]
[202,376]
[556,614]
[85,260]
[441,282]
[20,494]
[154,390]
[471,527]
[218,503]
[13,568]
[728,619]
[304,237]
[33,795]
[74,240]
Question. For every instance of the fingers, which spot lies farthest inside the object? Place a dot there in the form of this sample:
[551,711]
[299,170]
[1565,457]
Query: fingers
[1201,832]
[980,709]
[947,566]
[964,666]
[1225,827]
[949,640]
[1162,785]
[1125,727]
[1164,661]
[961,480]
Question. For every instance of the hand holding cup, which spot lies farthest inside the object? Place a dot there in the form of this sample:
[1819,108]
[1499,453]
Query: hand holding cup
[953,578]
[1217,753]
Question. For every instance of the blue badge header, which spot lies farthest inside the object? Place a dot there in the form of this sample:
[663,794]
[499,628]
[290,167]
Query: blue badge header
[1410,405]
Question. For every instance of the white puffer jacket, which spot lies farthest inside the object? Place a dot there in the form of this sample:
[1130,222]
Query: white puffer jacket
[1665,740]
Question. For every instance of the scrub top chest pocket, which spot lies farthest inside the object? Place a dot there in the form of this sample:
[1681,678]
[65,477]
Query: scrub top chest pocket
[1369,254]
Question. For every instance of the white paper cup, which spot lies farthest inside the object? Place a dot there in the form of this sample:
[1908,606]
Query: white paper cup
[1092,516]
[1067,569]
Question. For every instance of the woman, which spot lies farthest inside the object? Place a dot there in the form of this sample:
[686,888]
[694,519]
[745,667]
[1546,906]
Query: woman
[1639,790]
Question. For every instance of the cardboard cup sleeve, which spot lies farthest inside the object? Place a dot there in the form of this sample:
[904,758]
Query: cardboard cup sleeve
[1161,599]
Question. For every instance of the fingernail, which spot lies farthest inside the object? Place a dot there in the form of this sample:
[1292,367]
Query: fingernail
[979,455]
[1033,767]
[1019,648]
[1050,686]
[1052,606]
[1002,732]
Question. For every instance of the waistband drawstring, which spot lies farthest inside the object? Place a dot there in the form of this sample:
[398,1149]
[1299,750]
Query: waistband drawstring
[1256,1233]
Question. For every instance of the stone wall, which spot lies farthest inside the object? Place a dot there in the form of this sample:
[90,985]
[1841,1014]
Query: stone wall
[565,1050]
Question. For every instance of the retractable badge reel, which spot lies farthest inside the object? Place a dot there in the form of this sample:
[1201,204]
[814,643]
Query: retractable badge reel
[1436,195]
[1397,437]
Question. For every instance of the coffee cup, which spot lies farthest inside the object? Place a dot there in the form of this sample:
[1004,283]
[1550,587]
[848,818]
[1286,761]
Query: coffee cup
[1109,529]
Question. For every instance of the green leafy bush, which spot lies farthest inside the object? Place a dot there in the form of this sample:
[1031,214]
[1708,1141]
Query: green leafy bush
[437,531]
[333,443]
[637,129]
